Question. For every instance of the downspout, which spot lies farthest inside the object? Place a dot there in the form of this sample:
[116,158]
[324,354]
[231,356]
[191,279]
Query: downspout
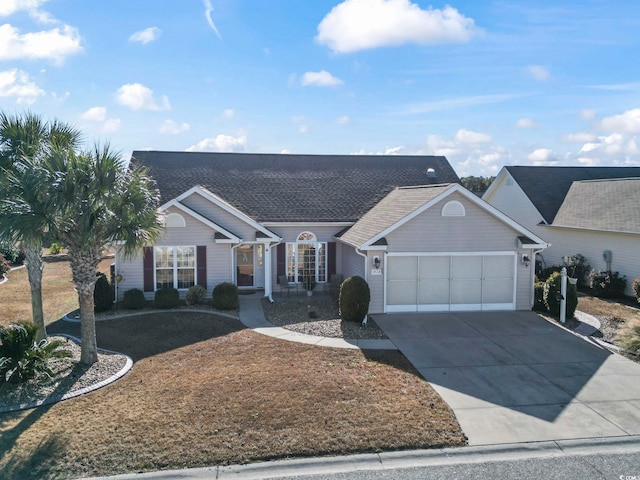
[366,277]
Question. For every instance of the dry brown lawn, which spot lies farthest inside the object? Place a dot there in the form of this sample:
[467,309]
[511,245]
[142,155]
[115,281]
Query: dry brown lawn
[611,308]
[205,391]
[58,296]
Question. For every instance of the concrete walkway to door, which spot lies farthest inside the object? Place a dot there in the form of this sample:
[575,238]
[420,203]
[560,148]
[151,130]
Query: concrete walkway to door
[515,377]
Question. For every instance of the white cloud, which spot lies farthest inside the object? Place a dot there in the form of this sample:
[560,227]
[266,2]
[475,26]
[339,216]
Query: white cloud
[111,125]
[458,102]
[55,44]
[538,72]
[97,114]
[343,120]
[9,7]
[229,113]
[542,156]
[221,143]
[320,79]
[170,127]
[588,114]
[208,10]
[362,24]
[146,36]
[580,137]
[138,97]
[467,136]
[302,129]
[285,151]
[526,123]
[628,122]
[16,83]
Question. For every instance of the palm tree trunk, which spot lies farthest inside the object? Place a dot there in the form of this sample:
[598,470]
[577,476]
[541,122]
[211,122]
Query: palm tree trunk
[33,254]
[84,268]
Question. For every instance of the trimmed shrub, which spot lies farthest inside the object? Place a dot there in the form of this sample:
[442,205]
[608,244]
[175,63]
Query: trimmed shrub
[538,302]
[133,299]
[577,267]
[225,296]
[102,294]
[636,288]
[20,258]
[9,251]
[4,266]
[196,295]
[55,248]
[607,284]
[354,299]
[551,294]
[21,357]
[167,298]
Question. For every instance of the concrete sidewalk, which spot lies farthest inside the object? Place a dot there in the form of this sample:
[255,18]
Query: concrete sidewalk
[252,316]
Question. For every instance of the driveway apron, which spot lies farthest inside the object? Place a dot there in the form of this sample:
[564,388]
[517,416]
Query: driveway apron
[515,377]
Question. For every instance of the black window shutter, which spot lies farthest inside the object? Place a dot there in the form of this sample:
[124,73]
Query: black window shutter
[147,266]
[281,260]
[201,258]
[331,267]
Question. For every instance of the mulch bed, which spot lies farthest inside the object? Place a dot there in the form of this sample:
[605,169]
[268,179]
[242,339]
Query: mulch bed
[317,315]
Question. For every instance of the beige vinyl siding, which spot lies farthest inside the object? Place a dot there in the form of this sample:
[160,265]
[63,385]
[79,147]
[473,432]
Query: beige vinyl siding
[524,282]
[194,233]
[352,263]
[376,282]
[477,231]
[625,250]
[220,217]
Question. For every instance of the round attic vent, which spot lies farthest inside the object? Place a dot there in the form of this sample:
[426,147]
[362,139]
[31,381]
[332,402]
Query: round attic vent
[431,173]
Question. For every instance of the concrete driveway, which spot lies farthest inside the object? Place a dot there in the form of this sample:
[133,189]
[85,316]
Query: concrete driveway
[514,377]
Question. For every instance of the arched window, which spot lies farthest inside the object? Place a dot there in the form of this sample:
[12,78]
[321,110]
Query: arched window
[306,257]
[175,220]
[453,209]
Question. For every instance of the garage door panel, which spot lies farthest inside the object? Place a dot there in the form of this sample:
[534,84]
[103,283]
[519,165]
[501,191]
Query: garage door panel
[467,266]
[402,268]
[498,266]
[434,267]
[402,293]
[466,291]
[434,291]
[497,290]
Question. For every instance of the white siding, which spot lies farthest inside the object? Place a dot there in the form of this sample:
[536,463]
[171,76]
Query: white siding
[352,263]
[221,217]
[376,283]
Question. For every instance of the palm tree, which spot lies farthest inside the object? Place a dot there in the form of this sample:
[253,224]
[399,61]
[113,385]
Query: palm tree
[24,141]
[99,202]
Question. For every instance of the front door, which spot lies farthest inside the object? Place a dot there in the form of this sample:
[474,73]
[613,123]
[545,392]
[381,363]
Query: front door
[250,266]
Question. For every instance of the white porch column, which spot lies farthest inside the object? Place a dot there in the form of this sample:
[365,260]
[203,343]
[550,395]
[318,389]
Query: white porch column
[267,270]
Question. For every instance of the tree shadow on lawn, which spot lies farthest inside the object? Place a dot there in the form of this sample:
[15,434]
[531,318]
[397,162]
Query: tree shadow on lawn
[152,334]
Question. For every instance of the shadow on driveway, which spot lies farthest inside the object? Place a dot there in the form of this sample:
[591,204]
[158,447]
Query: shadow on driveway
[514,376]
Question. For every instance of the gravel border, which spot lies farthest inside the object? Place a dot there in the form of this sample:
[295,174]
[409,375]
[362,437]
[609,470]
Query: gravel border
[107,370]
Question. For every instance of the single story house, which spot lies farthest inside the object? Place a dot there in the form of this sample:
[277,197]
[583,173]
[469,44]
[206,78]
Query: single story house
[592,211]
[404,223]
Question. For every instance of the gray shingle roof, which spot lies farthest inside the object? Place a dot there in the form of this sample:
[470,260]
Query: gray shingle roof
[390,210]
[547,187]
[609,205]
[292,188]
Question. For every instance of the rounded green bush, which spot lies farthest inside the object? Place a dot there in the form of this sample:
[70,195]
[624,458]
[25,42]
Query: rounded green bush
[225,296]
[102,294]
[4,266]
[354,299]
[551,291]
[9,251]
[133,299]
[196,295]
[167,298]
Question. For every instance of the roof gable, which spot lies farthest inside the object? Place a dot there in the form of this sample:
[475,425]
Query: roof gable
[405,203]
[547,187]
[607,205]
[292,188]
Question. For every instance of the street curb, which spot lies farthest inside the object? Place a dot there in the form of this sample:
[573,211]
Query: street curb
[397,460]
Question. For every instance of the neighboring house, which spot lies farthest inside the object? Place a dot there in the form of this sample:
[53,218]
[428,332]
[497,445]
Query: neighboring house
[422,241]
[578,210]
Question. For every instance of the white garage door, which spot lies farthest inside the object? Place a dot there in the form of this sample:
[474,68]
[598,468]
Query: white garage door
[436,283]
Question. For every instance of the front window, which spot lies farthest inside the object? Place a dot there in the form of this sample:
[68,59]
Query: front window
[175,267]
[307,258]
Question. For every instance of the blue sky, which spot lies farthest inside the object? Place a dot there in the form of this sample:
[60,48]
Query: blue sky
[486,83]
